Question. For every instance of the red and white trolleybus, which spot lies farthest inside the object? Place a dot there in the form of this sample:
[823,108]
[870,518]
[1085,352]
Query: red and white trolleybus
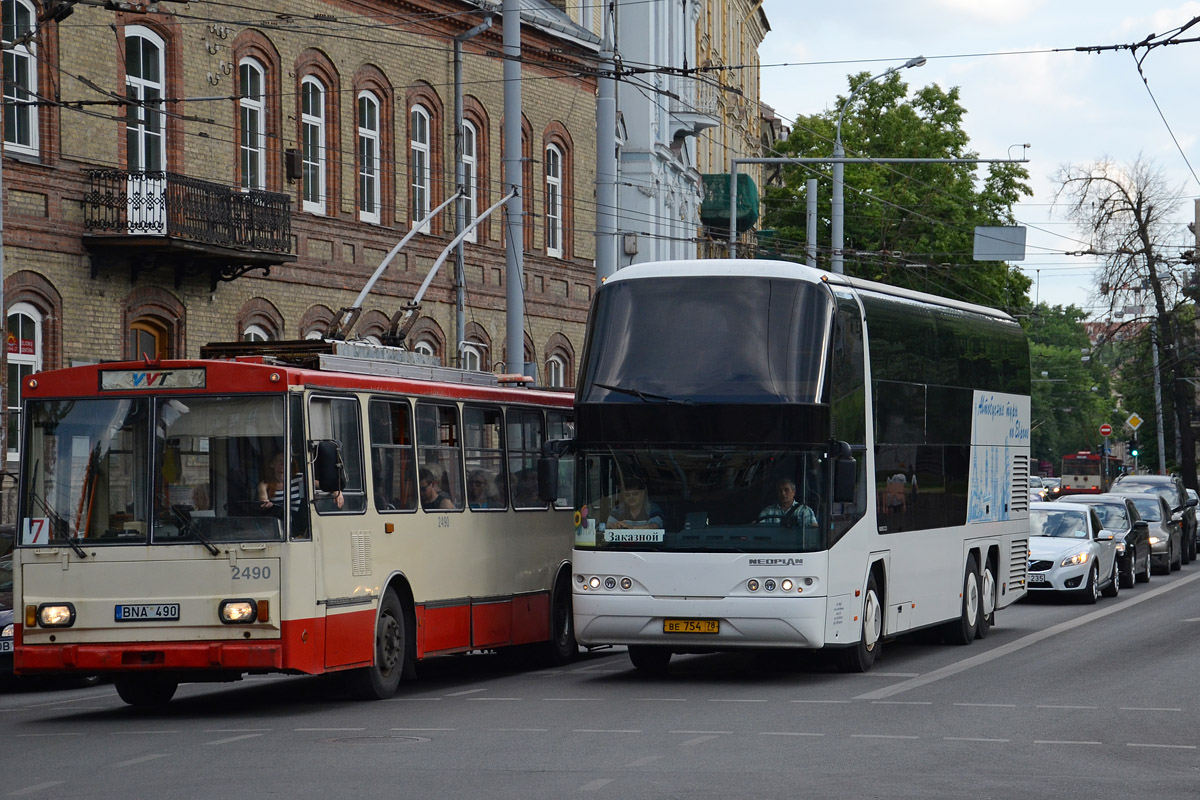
[305,512]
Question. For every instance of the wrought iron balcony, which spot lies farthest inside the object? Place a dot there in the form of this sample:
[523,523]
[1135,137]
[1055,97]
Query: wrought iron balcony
[153,218]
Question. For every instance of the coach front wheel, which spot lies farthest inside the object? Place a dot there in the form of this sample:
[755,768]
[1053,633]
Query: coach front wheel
[862,656]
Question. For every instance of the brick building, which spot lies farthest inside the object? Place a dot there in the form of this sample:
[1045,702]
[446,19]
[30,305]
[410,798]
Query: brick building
[186,173]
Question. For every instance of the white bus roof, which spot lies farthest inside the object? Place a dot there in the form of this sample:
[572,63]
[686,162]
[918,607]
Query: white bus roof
[763,268]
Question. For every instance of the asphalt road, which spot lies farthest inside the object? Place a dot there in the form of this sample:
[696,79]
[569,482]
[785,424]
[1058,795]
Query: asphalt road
[1060,701]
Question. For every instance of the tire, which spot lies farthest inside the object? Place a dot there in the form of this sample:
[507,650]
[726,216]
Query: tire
[961,631]
[146,691]
[649,659]
[380,680]
[1193,546]
[987,599]
[1177,559]
[1090,593]
[1144,575]
[1127,574]
[562,647]
[863,655]
[1114,582]
[1185,551]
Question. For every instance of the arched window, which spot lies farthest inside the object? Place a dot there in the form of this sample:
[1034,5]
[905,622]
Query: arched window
[148,338]
[470,160]
[24,344]
[554,201]
[472,356]
[145,129]
[312,135]
[425,348]
[253,119]
[255,333]
[368,157]
[20,78]
[556,371]
[419,164]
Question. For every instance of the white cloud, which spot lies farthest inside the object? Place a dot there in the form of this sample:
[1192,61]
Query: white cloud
[1003,11]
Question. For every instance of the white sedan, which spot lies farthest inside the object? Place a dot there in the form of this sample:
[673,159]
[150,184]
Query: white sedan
[1069,551]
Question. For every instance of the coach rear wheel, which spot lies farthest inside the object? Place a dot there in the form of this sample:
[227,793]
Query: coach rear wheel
[962,630]
[146,690]
[653,660]
[987,598]
[862,656]
[380,680]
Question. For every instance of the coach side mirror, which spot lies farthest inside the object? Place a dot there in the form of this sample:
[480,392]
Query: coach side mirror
[845,474]
[328,469]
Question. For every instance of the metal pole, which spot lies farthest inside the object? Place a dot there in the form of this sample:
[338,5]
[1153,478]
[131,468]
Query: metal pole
[515,223]
[733,169]
[810,191]
[1158,416]
[460,178]
[606,155]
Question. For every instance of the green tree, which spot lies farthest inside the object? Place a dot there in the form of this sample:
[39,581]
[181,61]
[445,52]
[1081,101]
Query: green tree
[909,225]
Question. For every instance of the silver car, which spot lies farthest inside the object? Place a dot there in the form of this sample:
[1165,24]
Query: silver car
[1166,530]
[1070,552]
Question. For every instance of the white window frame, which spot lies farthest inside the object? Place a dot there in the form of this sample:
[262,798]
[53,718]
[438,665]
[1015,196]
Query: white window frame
[252,119]
[424,347]
[369,160]
[471,356]
[17,97]
[256,333]
[139,87]
[556,371]
[419,164]
[554,201]
[31,360]
[470,160]
[312,129]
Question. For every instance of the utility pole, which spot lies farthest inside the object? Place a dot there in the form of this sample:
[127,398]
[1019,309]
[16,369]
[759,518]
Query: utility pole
[515,223]
[1158,415]
[606,152]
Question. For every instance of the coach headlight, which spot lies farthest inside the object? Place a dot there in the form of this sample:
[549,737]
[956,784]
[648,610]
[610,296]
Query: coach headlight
[233,612]
[1076,558]
[56,615]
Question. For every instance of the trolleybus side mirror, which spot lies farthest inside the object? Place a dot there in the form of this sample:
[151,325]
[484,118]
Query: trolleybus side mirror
[328,469]
[845,474]
[552,451]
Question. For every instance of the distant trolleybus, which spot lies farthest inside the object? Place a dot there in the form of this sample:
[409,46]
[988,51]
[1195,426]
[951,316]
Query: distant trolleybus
[771,456]
[319,511]
[1086,472]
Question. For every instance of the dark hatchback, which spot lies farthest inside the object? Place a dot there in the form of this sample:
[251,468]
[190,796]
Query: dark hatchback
[1120,515]
[1171,489]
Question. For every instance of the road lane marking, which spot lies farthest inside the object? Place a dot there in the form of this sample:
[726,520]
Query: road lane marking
[37,787]
[734,700]
[592,786]
[140,759]
[787,733]
[414,730]
[490,699]
[643,762]
[699,733]
[233,739]
[1164,746]
[238,730]
[138,733]
[881,736]
[972,739]
[327,730]
[501,730]
[903,703]
[1070,708]
[601,730]
[465,692]
[573,699]
[987,705]
[45,735]
[830,702]
[697,740]
[1057,741]
[1126,708]
[1021,644]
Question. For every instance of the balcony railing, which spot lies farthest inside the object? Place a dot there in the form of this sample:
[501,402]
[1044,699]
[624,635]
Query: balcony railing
[694,96]
[178,206]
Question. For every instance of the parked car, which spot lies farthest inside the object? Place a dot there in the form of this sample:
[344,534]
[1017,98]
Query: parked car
[1069,551]
[1183,508]
[1166,531]
[1130,532]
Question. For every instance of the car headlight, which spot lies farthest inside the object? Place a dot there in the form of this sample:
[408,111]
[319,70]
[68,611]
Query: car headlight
[1120,548]
[1154,540]
[7,633]
[1076,558]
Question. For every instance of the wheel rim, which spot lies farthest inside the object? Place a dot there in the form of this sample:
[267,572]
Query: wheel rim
[872,621]
[989,592]
[389,644]
[1096,583]
[971,598]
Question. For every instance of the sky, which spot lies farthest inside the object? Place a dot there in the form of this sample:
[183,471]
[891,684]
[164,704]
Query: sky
[1069,107]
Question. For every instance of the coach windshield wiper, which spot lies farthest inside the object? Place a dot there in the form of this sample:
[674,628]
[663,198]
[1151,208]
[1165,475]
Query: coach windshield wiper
[645,397]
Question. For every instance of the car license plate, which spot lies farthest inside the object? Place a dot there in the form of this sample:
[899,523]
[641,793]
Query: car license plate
[1037,577]
[146,612]
[691,626]
[6,646]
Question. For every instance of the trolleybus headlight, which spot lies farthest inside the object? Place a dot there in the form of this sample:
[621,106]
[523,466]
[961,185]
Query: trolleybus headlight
[786,584]
[56,615]
[1076,558]
[594,582]
[233,612]
[626,584]
[610,583]
[752,585]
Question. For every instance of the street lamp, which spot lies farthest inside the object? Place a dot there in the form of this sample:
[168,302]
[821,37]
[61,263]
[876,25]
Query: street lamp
[838,167]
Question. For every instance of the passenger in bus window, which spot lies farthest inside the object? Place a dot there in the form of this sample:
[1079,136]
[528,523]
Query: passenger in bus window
[433,497]
[787,510]
[635,509]
[481,490]
[525,489]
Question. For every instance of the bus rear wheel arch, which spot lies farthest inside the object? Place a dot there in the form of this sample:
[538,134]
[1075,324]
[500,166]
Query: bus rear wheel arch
[562,647]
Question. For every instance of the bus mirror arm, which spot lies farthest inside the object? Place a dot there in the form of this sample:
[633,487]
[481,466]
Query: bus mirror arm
[845,473]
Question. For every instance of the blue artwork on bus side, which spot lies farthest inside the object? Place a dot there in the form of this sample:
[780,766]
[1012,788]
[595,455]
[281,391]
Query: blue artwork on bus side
[999,436]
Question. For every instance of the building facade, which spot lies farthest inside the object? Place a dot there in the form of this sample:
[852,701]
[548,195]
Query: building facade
[178,174]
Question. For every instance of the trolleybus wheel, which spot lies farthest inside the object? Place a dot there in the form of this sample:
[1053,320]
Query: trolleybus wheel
[862,655]
[987,601]
[647,658]
[380,680]
[962,630]
[146,690]
[562,647]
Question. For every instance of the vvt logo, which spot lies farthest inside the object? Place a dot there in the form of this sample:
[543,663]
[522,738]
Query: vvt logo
[148,379]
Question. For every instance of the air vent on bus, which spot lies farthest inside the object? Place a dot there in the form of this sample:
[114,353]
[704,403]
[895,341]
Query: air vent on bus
[1020,483]
[1018,561]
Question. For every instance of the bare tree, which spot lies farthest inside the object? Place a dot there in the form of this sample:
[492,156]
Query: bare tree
[1125,210]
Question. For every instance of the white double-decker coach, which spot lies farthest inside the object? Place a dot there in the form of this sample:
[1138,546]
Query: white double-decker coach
[772,456]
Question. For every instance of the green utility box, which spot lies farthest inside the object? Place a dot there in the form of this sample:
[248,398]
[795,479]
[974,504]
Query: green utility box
[714,211]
